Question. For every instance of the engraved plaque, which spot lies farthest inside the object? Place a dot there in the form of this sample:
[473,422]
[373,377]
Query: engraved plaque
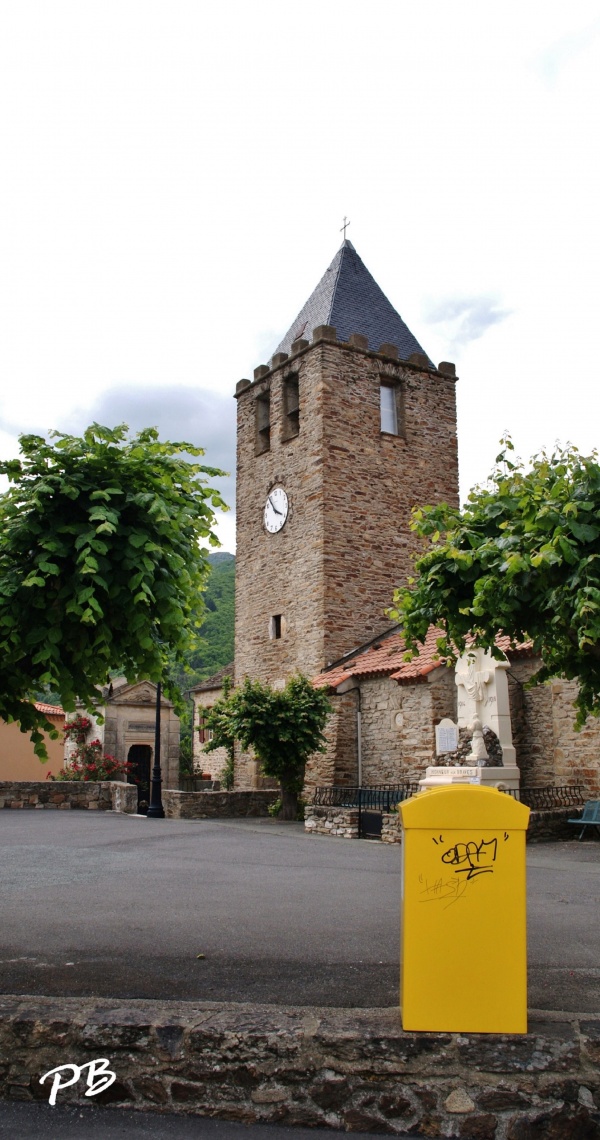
[446,736]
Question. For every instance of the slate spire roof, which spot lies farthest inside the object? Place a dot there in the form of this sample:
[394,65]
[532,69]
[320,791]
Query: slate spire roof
[350,299]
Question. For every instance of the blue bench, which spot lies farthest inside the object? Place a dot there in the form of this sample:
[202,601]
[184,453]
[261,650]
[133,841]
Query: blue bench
[590,816]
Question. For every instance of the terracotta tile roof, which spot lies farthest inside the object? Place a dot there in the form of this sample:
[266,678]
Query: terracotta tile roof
[384,659]
[49,710]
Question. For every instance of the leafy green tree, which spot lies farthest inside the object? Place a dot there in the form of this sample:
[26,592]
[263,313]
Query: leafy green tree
[215,647]
[282,726]
[101,566]
[522,558]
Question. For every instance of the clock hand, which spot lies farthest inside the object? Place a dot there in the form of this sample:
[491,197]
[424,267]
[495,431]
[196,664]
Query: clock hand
[274,507]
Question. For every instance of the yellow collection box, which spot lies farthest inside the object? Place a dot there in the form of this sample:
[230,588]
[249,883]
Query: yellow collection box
[464,950]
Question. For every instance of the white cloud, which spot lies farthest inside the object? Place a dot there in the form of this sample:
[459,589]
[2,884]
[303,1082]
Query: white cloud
[464,319]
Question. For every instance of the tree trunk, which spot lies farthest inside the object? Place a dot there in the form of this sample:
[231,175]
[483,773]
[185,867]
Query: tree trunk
[289,804]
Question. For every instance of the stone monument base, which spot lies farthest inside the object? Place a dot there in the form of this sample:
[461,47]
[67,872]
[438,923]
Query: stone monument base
[506,778]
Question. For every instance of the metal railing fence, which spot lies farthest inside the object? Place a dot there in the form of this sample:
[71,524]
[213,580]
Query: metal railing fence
[384,797]
[376,797]
[544,799]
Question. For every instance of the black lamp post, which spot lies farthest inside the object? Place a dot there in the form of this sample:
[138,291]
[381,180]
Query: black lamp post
[155,807]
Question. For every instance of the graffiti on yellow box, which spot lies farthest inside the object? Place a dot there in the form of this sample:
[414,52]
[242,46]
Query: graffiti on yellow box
[469,860]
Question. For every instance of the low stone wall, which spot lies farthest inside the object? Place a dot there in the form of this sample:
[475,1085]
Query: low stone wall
[552,824]
[217,805]
[543,825]
[65,795]
[354,1070]
[342,822]
[124,797]
[391,832]
[57,795]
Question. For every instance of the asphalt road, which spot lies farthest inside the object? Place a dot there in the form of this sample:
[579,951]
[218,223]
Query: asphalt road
[250,910]
[19,1121]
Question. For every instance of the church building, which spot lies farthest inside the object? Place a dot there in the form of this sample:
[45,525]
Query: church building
[347,428]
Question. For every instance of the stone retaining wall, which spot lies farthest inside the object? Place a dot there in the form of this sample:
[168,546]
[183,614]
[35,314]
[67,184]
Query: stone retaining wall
[391,832]
[552,824]
[124,797]
[343,822]
[338,821]
[64,795]
[217,805]
[346,1069]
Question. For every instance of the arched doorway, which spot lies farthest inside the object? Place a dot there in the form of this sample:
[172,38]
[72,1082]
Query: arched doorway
[140,757]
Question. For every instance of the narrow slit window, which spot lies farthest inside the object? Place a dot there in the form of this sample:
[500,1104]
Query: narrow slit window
[263,422]
[389,412]
[291,406]
[275,627]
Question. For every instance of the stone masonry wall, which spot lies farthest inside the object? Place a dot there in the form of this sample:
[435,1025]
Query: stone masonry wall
[217,805]
[64,795]
[245,770]
[280,573]
[211,762]
[544,826]
[398,725]
[422,708]
[576,754]
[382,752]
[549,751]
[547,826]
[339,763]
[372,480]
[56,795]
[340,822]
[531,720]
[354,1070]
[330,571]
[124,797]
[391,831]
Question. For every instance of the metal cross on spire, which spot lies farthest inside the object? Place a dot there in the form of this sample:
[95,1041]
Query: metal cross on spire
[345,226]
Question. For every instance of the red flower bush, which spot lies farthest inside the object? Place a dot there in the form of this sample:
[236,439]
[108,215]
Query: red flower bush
[77,729]
[88,761]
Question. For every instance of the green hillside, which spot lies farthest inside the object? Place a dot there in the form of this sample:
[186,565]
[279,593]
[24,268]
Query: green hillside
[216,648]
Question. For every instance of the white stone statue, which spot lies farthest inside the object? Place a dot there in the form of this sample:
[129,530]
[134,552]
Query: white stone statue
[482,699]
[471,677]
[479,753]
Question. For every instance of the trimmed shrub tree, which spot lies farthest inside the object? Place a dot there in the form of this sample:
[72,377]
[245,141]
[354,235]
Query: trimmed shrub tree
[283,727]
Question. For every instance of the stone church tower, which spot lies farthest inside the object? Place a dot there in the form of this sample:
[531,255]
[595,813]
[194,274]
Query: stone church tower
[347,428]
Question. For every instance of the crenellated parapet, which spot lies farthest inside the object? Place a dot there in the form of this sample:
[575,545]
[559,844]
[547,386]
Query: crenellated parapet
[357,342]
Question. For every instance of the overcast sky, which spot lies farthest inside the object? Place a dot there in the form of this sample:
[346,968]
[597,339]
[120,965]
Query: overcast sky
[175,175]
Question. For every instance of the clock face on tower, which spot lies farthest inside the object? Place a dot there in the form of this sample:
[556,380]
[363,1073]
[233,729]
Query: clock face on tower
[276,510]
